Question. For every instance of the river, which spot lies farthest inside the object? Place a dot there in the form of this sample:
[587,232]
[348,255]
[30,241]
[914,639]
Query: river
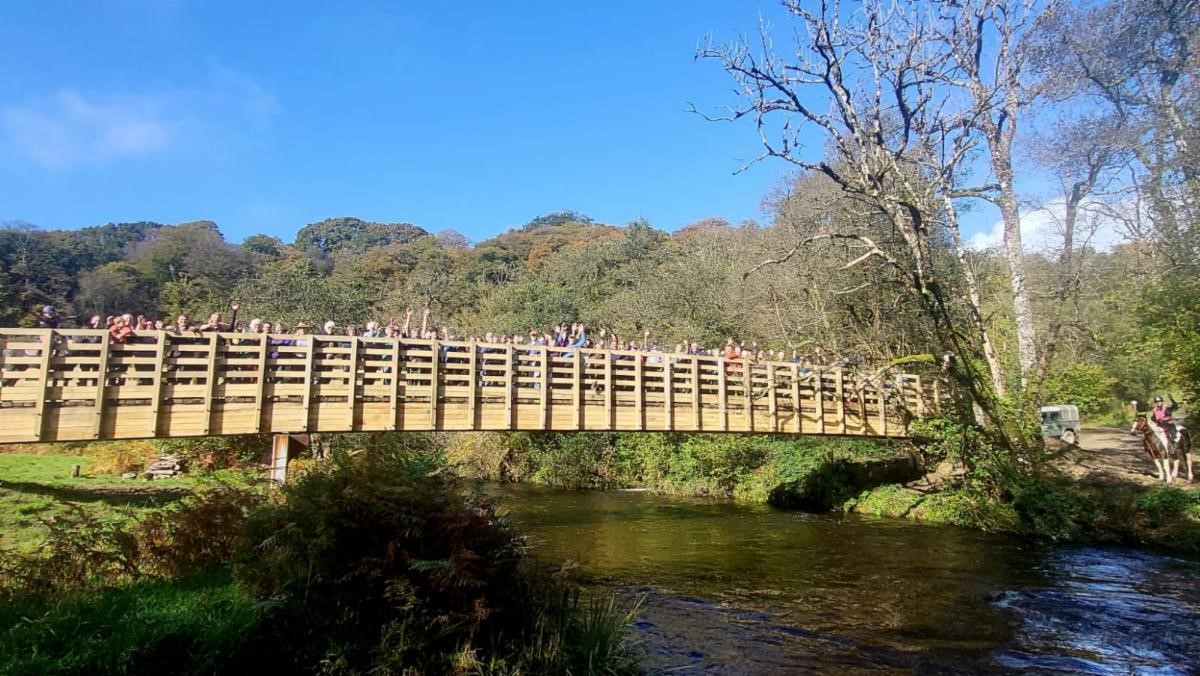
[747,589]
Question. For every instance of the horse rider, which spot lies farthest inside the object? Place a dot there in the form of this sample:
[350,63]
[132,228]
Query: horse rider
[1163,416]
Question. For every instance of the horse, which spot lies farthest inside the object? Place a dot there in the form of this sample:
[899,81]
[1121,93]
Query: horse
[1164,451]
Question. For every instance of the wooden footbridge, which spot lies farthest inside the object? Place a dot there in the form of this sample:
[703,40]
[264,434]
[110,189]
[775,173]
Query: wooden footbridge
[66,385]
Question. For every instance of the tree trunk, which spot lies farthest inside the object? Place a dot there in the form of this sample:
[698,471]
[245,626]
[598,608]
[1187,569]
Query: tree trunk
[1015,253]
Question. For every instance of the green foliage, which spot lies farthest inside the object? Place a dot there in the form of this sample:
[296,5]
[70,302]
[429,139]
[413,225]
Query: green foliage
[1088,386]
[212,453]
[383,566]
[366,563]
[892,500]
[354,234]
[199,625]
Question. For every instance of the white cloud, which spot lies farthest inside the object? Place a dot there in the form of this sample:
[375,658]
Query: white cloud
[1041,228]
[70,128]
[67,129]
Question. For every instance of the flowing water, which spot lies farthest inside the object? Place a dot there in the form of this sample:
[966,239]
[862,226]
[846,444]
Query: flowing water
[734,588]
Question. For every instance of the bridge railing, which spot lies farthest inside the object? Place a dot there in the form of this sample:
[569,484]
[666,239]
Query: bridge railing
[76,384]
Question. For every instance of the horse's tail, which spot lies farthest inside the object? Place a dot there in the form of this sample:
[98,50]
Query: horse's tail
[1185,439]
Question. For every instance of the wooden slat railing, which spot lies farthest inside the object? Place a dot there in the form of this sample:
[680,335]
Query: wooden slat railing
[75,384]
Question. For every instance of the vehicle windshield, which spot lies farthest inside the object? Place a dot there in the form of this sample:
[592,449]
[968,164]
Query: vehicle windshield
[1051,416]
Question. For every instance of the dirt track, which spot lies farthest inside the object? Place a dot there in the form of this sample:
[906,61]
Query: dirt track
[1112,454]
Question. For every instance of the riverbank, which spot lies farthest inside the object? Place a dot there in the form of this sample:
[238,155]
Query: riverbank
[1095,493]
[372,563]
[1103,490]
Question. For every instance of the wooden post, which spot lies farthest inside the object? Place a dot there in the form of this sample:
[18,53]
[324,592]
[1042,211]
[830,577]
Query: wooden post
[435,359]
[160,354]
[510,378]
[797,409]
[101,385]
[283,448]
[472,383]
[747,391]
[937,395]
[841,400]
[306,400]
[577,384]
[697,421]
[210,380]
[352,392]
[920,398]
[820,392]
[608,391]
[395,400]
[260,395]
[668,393]
[639,388]
[881,397]
[544,388]
[47,338]
[772,404]
[723,394]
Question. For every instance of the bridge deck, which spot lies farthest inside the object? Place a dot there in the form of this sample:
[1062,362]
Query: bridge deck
[66,385]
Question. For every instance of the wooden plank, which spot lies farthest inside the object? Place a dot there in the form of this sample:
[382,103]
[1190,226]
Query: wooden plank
[577,390]
[260,394]
[820,392]
[473,381]
[394,402]
[772,411]
[509,384]
[306,397]
[797,409]
[160,354]
[210,382]
[937,395]
[920,398]
[101,384]
[543,383]
[697,421]
[748,395]
[839,384]
[723,393]
[609,394]
[46,336]
[639,389]
[668,372]
[352,393]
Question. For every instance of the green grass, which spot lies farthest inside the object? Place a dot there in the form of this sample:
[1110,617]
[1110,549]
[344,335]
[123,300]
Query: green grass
[192,626]
[36,488]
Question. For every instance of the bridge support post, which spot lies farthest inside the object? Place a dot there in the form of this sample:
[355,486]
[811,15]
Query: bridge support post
[284,447]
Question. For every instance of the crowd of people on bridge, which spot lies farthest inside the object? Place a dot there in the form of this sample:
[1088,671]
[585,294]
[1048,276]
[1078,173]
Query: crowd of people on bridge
[125,327]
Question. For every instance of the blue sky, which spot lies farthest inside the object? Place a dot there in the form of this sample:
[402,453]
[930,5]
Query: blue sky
[266,116]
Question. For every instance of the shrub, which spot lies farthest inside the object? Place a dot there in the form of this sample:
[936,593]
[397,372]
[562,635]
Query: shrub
[381,566]
[212,453]
[892,500]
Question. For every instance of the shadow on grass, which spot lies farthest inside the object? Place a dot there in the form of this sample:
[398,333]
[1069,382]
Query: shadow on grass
[117,496]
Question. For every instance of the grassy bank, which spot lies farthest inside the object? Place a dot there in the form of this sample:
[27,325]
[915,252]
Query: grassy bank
[756,468]
[37,490]
[1057,508]
[373,563]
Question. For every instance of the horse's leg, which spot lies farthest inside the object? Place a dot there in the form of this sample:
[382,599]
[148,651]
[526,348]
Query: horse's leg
[1187,459]
[1158,465]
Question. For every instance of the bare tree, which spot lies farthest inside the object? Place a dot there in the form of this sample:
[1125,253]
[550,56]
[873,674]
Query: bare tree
[871,82]
[985,41]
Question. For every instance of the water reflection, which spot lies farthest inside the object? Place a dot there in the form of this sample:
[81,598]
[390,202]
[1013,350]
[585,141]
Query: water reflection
[748,589]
